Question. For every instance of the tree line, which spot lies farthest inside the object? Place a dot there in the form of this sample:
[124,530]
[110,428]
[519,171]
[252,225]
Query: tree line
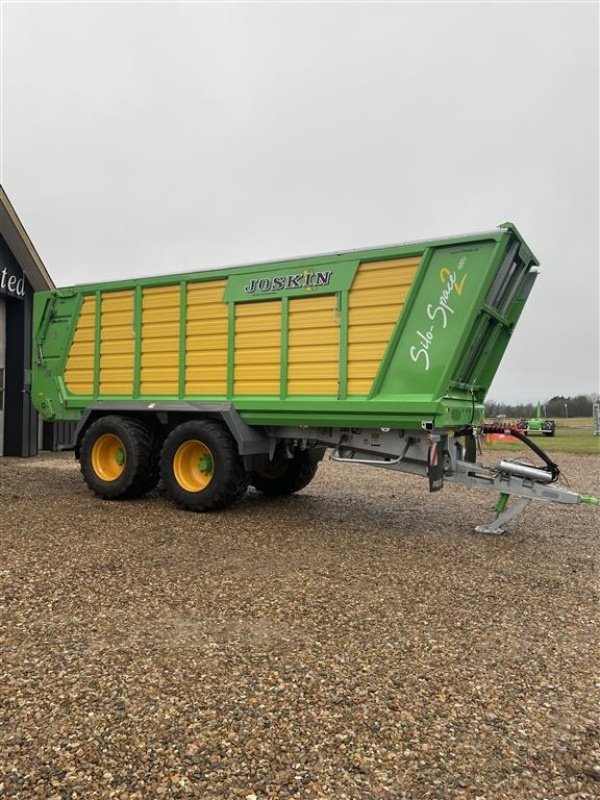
[579,406]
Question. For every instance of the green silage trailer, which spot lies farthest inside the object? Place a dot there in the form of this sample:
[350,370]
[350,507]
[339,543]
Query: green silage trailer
[214,380]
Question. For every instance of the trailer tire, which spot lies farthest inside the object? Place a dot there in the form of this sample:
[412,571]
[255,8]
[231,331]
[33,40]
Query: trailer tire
[119,458]
[287,476]
[470,449]
[201,467]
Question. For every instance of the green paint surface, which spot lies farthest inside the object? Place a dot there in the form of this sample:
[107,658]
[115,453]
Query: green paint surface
[441,358]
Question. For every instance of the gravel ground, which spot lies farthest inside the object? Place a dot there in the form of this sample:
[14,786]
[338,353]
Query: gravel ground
[356,640]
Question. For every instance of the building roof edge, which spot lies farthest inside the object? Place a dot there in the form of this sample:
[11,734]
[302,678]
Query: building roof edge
[21,246]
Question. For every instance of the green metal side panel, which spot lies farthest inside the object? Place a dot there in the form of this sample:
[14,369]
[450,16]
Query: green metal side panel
[432,334]
[444,350]
[55,318]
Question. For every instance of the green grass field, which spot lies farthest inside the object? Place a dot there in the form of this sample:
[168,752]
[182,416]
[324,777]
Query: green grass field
[572,436]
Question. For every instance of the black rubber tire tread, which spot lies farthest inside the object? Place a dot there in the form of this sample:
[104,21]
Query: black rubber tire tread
[230,479]
[152,468]
[301,469]
[141,458]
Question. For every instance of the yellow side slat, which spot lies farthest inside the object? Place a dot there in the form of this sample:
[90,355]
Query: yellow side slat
[117,342]
[161,330]
[257,355]
[361,370]
[207,325]
[212,341]
[115,387]
[300,321]
[375,303]
[116,333]
[257,369]
[316,304]
[117,301]
[366,316]
[313,345]
[310,386]
[359,334]
[219,346]
[399,269]
[356,386]
[202,327]
[159,388]
[313,355]
[213,312]
[159,360]
[160,296]
[160,315]
[201,373]
[206,292]
[197,356]
[383,296]
[158,344]
[266,373]
[82,348]
[79,370]
[255,325]
[385,273]
[77,387]
[157,374]
[88,322]
[255,387]
[85,335]
[78,375]
[112,360]
[329,335]
[116,361]
[205,387]
[318,371]
[210,358]
[113,318]
[264,309]
[109,374]
[363,352]
[116,345]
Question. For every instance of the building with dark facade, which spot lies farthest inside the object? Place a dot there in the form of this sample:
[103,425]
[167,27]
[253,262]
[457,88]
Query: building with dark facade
[21,273]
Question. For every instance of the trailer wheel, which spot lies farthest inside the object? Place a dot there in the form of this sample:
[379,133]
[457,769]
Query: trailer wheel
[119,458]
[201,467]
[286,475]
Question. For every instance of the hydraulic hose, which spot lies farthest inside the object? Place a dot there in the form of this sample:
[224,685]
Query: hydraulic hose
[551,467]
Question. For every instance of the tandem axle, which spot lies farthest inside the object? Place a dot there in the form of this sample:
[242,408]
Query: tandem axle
[206,456]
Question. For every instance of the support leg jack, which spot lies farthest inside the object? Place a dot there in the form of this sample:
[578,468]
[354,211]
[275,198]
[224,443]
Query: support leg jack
[504,515]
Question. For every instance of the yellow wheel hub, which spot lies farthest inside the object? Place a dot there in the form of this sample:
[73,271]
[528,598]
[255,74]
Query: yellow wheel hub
[193,466]
[108,457]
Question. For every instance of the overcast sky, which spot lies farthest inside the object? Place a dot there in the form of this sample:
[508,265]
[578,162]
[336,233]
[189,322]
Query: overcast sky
[146,138]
